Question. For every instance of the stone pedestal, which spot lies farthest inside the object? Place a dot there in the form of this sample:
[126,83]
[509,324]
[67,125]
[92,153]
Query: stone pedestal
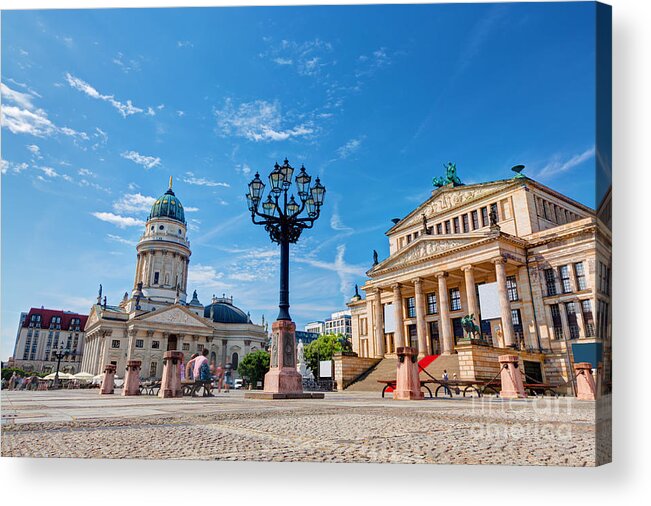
[586,389]
[171,381]
[283,381]
[512,385]
[407,379]
[108,382]
[132,378]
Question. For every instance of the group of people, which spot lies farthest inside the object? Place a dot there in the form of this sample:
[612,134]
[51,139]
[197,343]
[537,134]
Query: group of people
[198,368]
[17,382]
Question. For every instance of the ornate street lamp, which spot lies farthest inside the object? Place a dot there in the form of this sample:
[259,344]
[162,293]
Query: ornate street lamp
[284,218]
[59,355]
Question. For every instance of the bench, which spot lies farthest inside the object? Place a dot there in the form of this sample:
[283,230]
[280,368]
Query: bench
[150,388]
[392,384]
[536,389]
[192,387]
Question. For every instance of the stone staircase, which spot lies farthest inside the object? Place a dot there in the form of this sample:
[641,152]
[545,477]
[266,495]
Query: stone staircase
[386,370]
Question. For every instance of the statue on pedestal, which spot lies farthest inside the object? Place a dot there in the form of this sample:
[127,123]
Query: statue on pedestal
[301,366]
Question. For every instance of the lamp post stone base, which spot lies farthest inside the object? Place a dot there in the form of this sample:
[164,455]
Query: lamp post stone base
[283,381]
[407,378]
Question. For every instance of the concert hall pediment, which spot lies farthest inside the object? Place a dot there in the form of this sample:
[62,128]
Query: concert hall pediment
[424,247]
[446,199]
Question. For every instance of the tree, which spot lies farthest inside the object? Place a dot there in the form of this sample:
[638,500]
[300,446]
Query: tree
[8,371]
[322,348]
[254,366]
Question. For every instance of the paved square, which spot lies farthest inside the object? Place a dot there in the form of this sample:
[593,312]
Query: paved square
[343,427]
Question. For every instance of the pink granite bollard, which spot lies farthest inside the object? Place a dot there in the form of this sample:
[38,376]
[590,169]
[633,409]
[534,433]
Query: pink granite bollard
[512,385]
[108,382]
[283,378]
[407,378]
[171,382]
[132,378]
[586,389]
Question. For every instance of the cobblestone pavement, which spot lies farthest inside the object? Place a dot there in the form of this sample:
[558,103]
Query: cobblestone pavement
[345,427]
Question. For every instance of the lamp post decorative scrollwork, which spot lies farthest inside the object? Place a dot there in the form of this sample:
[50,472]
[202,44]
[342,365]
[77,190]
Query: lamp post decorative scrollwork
[283,217]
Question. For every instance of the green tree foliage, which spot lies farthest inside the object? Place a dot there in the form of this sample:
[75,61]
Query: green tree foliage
[254,366]
[324,348]
[8,371]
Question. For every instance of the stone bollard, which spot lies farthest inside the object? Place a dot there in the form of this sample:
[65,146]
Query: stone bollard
[132,378]
[586,390]
[108,382]
[171,382]
[512,385]
[407,378]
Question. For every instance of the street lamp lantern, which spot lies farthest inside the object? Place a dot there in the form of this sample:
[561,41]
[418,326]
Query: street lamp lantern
[318,192]
[287,171]
[311,207]
[292,206]
[276,179]
[268,205]
[256,187]
[303,183]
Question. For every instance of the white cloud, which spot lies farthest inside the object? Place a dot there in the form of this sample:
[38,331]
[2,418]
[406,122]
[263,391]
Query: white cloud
[7,167]
[23,100]
[150,112]
[124,109]
[147,162]
[180,114]
[349,148]
[85,172]
[34,150]
[257,121]
[127,65]
[200,181]
[23,118]
[206,276]
[49,171]
[308,57]
[184,43]
[121,239]
[335,221]
[119,221]
[131,203]
[191,209]
[558,165]
[283,61]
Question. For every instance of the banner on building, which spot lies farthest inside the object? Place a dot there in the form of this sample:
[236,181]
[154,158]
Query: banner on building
[389,319]
[489,301]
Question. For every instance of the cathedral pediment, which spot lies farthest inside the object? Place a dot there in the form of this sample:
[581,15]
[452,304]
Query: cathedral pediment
[422,249]
[92,318]
[446,199]
[174,316]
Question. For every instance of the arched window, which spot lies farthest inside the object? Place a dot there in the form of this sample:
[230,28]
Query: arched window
[235,360]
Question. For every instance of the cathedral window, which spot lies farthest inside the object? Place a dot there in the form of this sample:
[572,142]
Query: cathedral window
[156,276]
[550,282]
[439,229]
[455,223]
[140,343]
[512,288]
[155,345]
[580,276]
[447,226]
[152,369]
[564,272]
[115,343]
[161,227]
[466,225]
[431,303]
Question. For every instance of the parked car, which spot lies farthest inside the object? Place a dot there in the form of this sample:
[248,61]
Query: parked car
[238,383]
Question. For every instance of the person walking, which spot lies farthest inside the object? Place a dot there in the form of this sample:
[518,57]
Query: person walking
[227,377]
[445,379]
[219,377]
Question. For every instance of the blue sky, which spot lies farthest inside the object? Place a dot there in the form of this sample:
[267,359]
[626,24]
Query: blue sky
[100,107]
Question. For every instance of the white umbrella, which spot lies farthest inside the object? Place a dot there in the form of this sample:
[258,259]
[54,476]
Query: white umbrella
[62,376]
[83,376]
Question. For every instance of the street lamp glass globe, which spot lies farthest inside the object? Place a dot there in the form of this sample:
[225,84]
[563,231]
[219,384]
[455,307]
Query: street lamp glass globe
[276,178]
[269,206]
[303,182]
[256,187]
[318,192]
[287,171]
[292,206]
[311,207]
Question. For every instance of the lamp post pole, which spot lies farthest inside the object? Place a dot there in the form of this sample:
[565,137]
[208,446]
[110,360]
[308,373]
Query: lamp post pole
[284,220]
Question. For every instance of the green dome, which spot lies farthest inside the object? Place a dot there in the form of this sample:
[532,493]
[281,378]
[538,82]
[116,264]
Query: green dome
[168,206]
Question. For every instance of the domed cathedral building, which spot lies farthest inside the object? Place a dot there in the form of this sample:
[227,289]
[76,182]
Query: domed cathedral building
[155,316]
[531,265]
